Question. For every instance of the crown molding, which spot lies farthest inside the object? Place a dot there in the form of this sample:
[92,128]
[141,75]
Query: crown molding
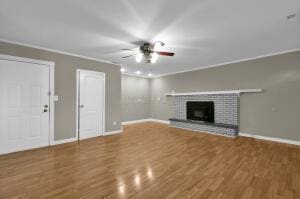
[231,62]
[134,75]
[57,51]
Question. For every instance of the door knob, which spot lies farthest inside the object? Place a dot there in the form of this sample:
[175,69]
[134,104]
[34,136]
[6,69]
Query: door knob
[45,110]
[81,106]
[46,106]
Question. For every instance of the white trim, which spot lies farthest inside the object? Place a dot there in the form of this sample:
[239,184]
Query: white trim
[206,132]
[217,92]
[51,110]
[77,105]
[58,51]
[113,132]
[135,75]
[135,121]
[64,141]
[51,85]
[260,137]
[77,99]
[26,60]
[231,62]
[160,121]
[146,120]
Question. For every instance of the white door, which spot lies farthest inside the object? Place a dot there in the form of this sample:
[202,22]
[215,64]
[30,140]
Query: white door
[91,104]
[24,105]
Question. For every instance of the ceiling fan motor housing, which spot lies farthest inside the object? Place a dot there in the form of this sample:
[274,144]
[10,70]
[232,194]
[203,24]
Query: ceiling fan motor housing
[146,48]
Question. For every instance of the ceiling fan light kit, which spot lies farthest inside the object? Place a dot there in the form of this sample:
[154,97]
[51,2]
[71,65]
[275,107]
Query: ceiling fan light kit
[139,57]
[154,57]
[148,52]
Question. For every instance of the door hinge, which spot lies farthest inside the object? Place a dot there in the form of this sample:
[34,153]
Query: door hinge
[49,93]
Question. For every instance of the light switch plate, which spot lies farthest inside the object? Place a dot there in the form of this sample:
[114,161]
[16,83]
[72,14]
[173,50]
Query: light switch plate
[55,98]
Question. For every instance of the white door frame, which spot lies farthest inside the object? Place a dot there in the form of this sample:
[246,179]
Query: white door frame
[77,100]
[51,66]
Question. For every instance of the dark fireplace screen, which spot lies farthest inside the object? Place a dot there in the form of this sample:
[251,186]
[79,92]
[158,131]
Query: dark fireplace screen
[200,111]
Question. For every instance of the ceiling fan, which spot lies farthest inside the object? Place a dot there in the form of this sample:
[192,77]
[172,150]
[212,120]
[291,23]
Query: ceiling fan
[147,52]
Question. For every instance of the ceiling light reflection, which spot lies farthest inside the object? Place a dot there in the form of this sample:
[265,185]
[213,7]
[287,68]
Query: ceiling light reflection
[149,173]
[122,189]
[137,180]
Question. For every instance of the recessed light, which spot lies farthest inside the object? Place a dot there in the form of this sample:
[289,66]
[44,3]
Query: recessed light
[138,72]
[122,69]
[150,75]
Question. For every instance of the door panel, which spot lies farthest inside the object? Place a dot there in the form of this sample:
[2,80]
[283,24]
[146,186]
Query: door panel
[13,96]
[35,126]
[91,109]
[35,96]
[24,91]
[13,128]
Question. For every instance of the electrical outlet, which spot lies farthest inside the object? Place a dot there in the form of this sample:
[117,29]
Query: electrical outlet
[114,123]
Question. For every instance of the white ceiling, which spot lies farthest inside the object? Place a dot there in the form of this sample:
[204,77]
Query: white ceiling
[200,32]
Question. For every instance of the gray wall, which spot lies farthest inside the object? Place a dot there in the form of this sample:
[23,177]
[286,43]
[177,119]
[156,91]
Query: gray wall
[273,113]
[65,87]
[135,98]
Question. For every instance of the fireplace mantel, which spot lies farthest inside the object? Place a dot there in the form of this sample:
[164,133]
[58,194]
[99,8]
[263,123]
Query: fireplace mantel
[259,90]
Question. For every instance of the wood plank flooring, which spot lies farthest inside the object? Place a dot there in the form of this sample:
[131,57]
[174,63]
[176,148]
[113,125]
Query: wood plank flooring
[151,160]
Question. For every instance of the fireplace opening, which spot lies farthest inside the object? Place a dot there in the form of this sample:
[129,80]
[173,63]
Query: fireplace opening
[200,111]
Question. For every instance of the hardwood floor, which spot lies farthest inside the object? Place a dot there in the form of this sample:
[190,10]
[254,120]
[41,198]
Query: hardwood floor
[151,160]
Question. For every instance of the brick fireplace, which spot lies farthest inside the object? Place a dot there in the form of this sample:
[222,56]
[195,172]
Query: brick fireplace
[225,113]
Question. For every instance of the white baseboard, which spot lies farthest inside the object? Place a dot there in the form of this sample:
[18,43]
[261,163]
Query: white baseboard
[160,121]
[146,120]
[135,121]
[64,141]
[113,132]
[260,137]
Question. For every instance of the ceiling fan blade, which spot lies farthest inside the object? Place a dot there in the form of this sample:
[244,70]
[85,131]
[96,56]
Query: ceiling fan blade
[138,42]
[164,53]
[127,49]
[128,56]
